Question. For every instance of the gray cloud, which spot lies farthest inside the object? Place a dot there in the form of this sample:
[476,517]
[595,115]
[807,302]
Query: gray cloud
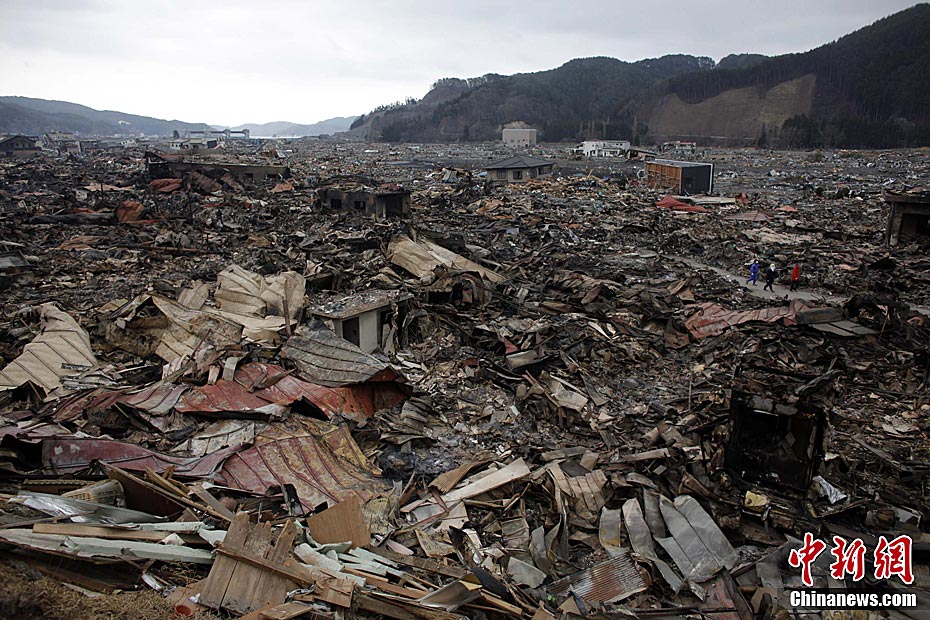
[242,61]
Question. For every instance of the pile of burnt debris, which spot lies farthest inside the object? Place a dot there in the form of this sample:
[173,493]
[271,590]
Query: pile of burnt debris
[268,391]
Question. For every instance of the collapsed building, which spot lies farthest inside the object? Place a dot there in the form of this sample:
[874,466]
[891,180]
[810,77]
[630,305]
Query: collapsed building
[367,196]
[161,166]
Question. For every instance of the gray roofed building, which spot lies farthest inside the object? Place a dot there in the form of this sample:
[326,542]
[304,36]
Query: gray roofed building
[518,169]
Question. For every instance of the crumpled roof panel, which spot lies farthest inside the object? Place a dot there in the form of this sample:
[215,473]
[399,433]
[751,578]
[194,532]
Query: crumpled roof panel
[326,359]
[713,319]
[321,460]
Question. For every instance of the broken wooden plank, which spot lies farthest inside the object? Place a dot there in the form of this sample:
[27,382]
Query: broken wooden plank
[341,523]
[273,587]
[446,482]
[386,586]
[110,533]
[214,589]
[423,564]
[401,610]
[512,472]
[206,497]
[284,611]
[291,570]
[649,455]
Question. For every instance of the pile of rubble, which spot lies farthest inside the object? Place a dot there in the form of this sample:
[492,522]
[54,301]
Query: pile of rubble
[326,397]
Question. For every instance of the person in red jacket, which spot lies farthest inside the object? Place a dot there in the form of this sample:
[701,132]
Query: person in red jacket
[796,277]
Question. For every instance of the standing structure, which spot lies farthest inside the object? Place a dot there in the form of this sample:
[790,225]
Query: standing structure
[18,146]
[612,148]
[518,169]
[680,177]
[519,136]
[909,217]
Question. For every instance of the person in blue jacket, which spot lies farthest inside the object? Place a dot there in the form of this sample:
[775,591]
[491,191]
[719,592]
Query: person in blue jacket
[753,273]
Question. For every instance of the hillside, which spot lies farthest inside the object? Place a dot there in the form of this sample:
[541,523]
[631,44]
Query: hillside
[580,98]
[867,89]
[285,129]
[35,116]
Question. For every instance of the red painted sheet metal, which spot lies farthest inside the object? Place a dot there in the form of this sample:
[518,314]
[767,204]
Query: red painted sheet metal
[321,460]
[74,406]
[273,385]
[71,454]
[355,402]
[33,432]
[713,319]
[676,205]
[223,396]
[158,399]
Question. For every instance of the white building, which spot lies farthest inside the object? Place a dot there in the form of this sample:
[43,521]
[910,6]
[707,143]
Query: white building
[615,148]
[519,136]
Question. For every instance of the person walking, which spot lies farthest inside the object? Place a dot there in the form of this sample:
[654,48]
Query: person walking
[795,277]
[770,274]
[753,273]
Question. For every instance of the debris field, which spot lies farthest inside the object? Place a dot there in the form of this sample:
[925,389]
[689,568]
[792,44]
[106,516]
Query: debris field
[344,381]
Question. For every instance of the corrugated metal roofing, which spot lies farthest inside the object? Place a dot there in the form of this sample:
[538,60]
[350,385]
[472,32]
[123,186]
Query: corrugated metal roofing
[62,342]
[676,205]
[223,396]
[248,393]
[607,582]
[157,399]
[713,319]
[71,454]
[321,460]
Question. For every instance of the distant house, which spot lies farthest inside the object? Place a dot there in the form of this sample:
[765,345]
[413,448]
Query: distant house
[193,145]
[519,136]
[18,146]
[614,148]
[678,147]
[518,169]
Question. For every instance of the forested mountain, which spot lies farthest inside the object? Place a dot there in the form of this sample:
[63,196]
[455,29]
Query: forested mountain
[36,116]
[869,88]
[872,87]
[580,98]
[741,61]
[25,115]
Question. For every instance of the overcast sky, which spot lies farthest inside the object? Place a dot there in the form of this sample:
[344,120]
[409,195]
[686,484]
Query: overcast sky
[234,61]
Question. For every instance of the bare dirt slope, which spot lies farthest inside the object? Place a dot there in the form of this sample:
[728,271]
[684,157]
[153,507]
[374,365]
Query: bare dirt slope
[737,113]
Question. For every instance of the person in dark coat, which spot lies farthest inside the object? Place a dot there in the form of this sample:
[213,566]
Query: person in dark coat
[753,273]
[770,275]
